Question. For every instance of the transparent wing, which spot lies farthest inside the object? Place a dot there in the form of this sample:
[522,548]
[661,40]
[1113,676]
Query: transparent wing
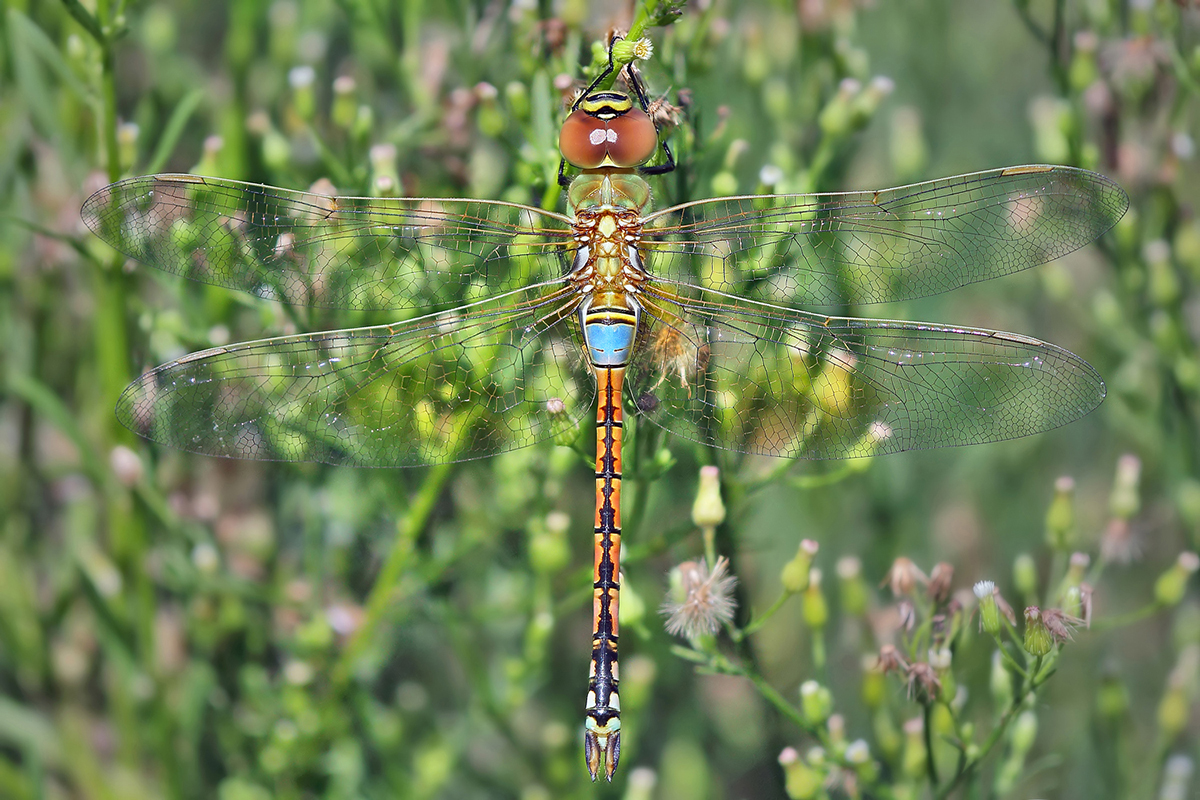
[894,244]
[743,376]
[479,380]
[333,252]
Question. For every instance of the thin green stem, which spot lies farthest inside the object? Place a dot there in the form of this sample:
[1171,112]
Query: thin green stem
[930,766]
[826,479]
[997,732]
[719,663]
[641,20]
[387,585]
[1128,618]
[86,19]
[1012,663]
[1035,30]
[754,624]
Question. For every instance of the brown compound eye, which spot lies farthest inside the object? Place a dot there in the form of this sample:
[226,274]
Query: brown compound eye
[583,140]
[632,138]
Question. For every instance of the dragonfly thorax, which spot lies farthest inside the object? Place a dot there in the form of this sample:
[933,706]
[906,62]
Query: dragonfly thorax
[608,260]
[607,219]
[599,188]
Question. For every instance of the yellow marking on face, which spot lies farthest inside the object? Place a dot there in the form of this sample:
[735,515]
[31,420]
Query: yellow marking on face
[616,101]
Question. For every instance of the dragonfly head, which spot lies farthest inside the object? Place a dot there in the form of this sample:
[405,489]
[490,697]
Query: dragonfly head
[607,129]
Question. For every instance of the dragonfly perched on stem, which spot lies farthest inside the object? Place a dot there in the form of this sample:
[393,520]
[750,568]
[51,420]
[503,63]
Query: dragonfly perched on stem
[685,318]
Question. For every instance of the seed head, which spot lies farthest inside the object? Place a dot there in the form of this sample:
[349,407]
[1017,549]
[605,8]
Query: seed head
[1120,544]
[707,599]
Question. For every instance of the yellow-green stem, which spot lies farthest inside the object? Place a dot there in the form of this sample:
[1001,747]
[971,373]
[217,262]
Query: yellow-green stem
[387,585]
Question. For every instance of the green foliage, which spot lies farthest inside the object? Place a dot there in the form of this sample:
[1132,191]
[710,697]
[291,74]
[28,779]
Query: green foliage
[177,626]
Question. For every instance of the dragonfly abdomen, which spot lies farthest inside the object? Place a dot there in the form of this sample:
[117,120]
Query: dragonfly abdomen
[602,739]
[609,333]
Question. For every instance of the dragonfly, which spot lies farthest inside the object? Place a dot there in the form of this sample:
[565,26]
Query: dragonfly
[516,323]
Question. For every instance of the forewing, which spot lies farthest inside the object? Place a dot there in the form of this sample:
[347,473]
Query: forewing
[435,389]
[894,244]
[333,252]
[742,376]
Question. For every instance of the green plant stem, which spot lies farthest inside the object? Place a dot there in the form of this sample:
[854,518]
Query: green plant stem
[641,20]
[930,766]
[826,479]
[1012,663]
[85,18]
[1128,618]
[1031,25]
[719,663]
[756,623]
[1005,720]
[724,665]
[387,584]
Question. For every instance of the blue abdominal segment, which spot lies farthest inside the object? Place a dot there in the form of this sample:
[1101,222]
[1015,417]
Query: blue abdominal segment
[609,341]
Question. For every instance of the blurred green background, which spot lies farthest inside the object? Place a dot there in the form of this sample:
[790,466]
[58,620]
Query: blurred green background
[180,627]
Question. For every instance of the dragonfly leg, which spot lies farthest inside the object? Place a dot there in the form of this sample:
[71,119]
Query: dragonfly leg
[602,737]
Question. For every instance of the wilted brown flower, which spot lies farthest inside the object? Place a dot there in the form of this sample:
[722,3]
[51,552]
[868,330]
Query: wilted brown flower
[904,576]
[666,115]
[890,660]
[1120,544]
[1085,603]
[1060,624]
[1004,607]
[939,582]
[923,682]
[908,615]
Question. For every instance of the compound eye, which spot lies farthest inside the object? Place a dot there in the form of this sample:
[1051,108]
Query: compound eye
[583,140]
[632,138]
